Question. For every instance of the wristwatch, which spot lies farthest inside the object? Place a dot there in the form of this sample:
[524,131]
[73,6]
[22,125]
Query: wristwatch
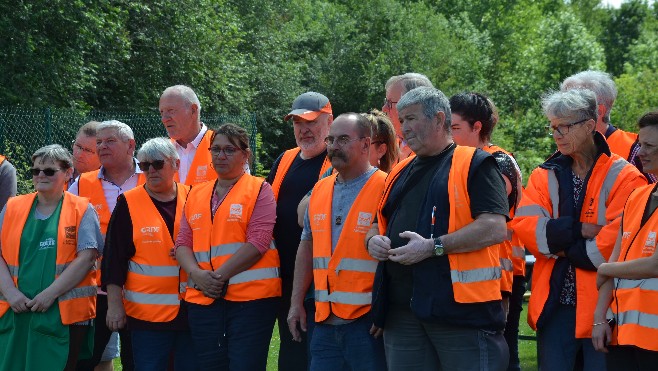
[438,247]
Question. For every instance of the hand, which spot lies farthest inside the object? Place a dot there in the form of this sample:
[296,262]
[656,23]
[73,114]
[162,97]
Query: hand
[41,302]
[418,248]
[601,336]
[376,331]
[296,315]
[116,316]
[172,253]
[208,282]
[589,230]
[378,247]
[17,300]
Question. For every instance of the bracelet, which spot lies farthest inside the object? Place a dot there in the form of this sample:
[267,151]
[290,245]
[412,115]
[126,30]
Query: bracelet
[368,240]
[600,323]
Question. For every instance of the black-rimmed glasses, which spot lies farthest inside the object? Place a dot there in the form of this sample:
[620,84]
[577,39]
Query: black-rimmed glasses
[563,129]
[46,171]
[157,165]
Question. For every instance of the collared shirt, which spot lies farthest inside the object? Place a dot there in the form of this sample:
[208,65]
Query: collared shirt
[111,189]
[187,153]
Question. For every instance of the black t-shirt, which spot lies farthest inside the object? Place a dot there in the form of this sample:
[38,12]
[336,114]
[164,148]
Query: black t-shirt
[120,248]
[486,176]
[298,181]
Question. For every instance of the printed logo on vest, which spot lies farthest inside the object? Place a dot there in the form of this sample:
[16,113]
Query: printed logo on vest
[365,219]
[235,212]
[626,235]
[201,171]
[650,244]
[48,243]
[69,232]
[98,207]
[195,217]
[317,218]
[150,231]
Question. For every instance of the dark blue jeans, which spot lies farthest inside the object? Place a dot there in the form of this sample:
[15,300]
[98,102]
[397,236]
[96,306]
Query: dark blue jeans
[232,335]
[151,350]
[346,347]
[512,325]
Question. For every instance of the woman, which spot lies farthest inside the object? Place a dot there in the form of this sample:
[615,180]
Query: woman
[49,241]
[142,277]
[568,217]
[633,294]
[474,117]
[384,149]
[224,245]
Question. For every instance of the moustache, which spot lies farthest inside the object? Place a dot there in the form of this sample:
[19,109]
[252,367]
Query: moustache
[336,154]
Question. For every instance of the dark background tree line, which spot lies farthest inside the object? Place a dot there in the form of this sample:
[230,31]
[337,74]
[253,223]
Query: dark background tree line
[257,56]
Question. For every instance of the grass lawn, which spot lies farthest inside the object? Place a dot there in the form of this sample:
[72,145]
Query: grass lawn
[527,348]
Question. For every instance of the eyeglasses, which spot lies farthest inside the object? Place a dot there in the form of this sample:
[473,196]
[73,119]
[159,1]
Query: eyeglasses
[389,103]
[377,142]
[83,149]
[228,151]
[562,129]
[341,141]
[157,165]
[46,171]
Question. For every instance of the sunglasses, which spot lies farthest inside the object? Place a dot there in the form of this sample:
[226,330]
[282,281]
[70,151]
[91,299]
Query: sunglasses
[47,171]
[157,165]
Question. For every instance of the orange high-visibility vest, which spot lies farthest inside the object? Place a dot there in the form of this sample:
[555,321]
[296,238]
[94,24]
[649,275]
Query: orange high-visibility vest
[216,239]
[475,275]
[343,280]
[201,169]
[79,303]
[284,165]
[153,284]
[610,182]
[621,142]
[2,159]
[635,302]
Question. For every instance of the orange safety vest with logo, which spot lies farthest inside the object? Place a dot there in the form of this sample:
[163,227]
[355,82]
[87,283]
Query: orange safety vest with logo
[90,186]
[343,279]
[621,142]
[611,180]
[634,303]
[155,283]
[201,169]
[475,275]
[79,303]
[216,239]
[508,255]
[284,165]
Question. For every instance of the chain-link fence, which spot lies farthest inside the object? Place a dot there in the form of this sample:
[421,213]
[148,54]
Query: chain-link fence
[24,130]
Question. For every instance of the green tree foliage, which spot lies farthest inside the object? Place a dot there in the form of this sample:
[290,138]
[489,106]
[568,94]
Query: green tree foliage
[622,29]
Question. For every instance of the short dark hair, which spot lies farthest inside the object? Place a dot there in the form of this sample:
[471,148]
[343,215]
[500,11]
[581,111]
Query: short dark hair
[89,129]
[473,107]
[648,119]
[237,135]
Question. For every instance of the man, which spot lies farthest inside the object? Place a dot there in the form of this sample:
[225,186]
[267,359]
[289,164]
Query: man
[293,174]
[115,145]
[180,111]
[622,143]
[85,158]
[396,87]
[332,254]
[442,216]
[8,184]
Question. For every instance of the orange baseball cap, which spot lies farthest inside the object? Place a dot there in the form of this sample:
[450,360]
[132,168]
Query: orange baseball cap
[309,106]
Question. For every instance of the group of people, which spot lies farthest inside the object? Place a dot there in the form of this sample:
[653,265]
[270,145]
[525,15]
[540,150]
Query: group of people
[392,239]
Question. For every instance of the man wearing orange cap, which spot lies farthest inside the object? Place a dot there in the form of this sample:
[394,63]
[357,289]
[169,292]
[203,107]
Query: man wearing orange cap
[293,175]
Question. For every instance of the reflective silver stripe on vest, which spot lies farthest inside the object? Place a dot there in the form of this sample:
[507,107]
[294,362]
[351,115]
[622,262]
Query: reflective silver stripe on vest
[182,287]
[540,236]
[606,188]
[357,265]
[506,264]
[475,275]
[320,263]
[13,270]
[531,210]
[554,193]
[518,252]
[59,268]
[635,317]
[650,284]
[79,292]
[352,298]
[254,275]
[593,253]
[153,270]
[154,299]
[217,250]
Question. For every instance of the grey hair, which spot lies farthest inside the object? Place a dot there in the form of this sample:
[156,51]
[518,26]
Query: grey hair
[56,153]
[158,149]
[580,103]
[89,129]
[410,81]
[186,93]
[432,100]
[124,131]
[599,82]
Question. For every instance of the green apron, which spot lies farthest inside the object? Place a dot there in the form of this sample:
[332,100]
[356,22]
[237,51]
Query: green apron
[35,341]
